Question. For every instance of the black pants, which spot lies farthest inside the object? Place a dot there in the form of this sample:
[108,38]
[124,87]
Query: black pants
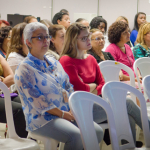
[18,116]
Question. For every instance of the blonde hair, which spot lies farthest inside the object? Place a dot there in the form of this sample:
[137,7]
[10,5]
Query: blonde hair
[144,29]
[16,40]
[122,18]
[70,41]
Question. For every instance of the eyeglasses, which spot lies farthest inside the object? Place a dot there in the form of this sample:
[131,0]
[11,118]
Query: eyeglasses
[85,38]
[8,37]
[42,38]
[99,39]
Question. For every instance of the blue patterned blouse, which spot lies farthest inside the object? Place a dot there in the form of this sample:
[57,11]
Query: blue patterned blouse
[139,51]
[40,88]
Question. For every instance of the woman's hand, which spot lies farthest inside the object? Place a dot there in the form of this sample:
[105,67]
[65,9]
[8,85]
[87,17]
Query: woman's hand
[137,80]
[68,116]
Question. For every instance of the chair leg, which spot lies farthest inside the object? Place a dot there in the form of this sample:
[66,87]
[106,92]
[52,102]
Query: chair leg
[138,130]
[61,146]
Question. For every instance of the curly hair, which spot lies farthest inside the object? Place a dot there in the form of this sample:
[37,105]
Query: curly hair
[52,31]
[58,16]
[4,31]
[16,40]
[95,22]
[115,30]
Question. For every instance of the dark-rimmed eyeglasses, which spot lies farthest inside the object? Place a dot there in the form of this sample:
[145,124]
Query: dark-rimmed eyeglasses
[42,38]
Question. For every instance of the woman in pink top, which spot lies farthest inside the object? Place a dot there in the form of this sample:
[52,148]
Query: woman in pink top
[84,72]
[118,35]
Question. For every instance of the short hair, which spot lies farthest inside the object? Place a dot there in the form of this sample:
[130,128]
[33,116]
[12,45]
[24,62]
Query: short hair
[136,27]
[115,30]
[5,22]
[64,11]
[30,28]
[16,40]
[4,31]
[144,29]
[58,16]
[52,31]
[80,20]
[46,22]
[28,18]
[95,22]
[122,18]
[70,41]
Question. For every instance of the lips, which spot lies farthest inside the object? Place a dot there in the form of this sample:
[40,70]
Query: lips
[89,45]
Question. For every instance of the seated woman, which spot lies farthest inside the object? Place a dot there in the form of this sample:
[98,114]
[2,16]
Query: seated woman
[84,72]
[46,22]
[98,42]
[57,42]
[30,19]
[17,49]
[84,22]
[5,35]
[124,19]
[101,24]
[44,88]
[118,35]
[139,19]
[61,19]
[142,49]
[7,77]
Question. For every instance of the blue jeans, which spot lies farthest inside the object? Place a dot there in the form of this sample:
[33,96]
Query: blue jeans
[66,132]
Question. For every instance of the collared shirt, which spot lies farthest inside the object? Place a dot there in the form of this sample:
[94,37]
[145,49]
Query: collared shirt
[40,88]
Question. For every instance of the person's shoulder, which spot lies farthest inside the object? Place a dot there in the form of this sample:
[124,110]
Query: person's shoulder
[66,60]
[134,32]
[110,47]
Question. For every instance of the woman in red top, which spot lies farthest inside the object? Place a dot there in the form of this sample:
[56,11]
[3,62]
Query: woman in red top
[82,68]
[85,74]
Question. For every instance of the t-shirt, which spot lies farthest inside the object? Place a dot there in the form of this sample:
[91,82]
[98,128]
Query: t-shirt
[133,36]
[85,69]
[125,58]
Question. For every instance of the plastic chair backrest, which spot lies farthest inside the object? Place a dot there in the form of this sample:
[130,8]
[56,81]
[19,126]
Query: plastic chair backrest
[146,85]
[110,70]
[115,93]
[143,64]
[8,110]
[81,105]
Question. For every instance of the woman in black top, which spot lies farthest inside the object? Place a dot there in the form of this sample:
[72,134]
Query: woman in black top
[98,42]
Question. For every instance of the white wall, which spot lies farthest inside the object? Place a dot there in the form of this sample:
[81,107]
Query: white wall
[26,7]
[109,9]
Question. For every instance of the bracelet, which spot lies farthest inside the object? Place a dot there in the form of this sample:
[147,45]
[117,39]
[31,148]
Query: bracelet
[62,114]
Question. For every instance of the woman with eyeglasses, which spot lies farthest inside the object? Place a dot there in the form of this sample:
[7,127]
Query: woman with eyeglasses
[119,35]
[57,42]
[5,35]
[98,42]
[84,72]
[44,89]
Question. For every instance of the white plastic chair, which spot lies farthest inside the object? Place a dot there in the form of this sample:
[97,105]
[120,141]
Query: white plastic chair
[81,105]
[115,93]
[13,142]
[143,64]
[110,70]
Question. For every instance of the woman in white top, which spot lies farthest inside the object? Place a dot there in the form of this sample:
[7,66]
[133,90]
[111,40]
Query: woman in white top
[17,50]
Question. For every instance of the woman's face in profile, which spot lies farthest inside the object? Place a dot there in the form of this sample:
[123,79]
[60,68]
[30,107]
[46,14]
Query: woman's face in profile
[125,36]
[101,27]
[97,40]
[65,21]
[84,40]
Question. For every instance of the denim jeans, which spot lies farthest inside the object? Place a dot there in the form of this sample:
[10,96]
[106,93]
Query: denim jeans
[66,132]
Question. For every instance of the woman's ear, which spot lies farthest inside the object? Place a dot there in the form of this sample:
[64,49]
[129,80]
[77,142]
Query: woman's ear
[58,21]
[28,43]
[53,40]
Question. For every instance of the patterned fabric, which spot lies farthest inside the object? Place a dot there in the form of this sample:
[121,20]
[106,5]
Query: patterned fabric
[139,51]
[40,88]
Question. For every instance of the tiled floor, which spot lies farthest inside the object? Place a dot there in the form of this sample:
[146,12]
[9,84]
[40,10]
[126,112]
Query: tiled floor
[104,146]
